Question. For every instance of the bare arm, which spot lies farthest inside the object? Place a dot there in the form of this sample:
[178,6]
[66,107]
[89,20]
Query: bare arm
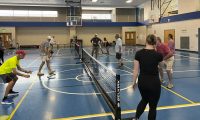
[23,70]
[135,73]
[170,54]
[20,74]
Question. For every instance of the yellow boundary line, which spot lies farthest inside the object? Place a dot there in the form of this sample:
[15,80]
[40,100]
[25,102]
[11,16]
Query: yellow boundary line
[4,117]
[127,112]
[190,101]
[20,102]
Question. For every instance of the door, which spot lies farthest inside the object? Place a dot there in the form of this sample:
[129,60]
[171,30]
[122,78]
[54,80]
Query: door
[130,38]
[167,32]
[7,39]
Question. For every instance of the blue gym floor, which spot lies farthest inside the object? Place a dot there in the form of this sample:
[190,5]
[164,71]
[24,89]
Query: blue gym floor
[70,95]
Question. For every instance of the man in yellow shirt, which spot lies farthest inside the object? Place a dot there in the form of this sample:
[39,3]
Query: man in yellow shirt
[9,73]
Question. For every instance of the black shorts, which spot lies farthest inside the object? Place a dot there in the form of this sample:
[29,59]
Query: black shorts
[118,55]
[51,51]
[8,77]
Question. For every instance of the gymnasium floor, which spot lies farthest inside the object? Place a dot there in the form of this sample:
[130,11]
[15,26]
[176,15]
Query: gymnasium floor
[70,94]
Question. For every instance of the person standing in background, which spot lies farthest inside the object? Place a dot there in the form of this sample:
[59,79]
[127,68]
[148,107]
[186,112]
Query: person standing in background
[52,42]
[167,62]
[1,51]
[106,45]
[95,45]
[171,45]
[118,49]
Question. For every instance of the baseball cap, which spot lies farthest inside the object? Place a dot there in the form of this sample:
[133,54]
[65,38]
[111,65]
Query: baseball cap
[48,37]
[21,52]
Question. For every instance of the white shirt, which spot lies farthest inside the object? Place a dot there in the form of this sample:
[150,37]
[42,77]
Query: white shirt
[52,41]
[118,45]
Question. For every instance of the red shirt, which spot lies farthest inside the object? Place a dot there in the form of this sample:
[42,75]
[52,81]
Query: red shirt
[162,49]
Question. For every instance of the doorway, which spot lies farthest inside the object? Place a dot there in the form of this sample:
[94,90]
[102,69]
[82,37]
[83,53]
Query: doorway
[130,38]
[7,39]
[167,32]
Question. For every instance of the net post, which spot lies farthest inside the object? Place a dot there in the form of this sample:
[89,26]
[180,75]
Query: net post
[118,108]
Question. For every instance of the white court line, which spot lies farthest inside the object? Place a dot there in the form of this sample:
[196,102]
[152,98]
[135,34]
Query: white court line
[181,59]
[58,51]
[116,62]
[127,59]
[72,64]
[175,71]
[63,56]
[70,93]
[66,79]
[196,58]
[193,59]
[187,71]
[128,67]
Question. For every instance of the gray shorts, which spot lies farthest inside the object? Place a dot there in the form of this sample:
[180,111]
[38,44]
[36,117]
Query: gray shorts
[8,77]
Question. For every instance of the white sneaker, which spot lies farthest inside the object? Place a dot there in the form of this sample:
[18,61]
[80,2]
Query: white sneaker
[170,86]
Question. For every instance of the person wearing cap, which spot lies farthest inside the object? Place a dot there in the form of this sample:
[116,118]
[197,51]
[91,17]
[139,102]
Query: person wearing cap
[95,45]
[52,42]
[9,71]
[45,55]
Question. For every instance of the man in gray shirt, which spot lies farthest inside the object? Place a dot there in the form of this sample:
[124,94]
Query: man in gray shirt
[118,49]
[45,55]
[95,45]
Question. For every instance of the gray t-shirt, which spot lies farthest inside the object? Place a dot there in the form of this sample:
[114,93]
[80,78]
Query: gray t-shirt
[118,45]
[44,45]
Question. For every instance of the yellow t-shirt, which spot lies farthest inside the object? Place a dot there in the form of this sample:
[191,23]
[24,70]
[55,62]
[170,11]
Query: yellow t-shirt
[9,65]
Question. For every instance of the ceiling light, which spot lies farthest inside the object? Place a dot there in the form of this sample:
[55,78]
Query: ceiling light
[94,0]
[129,1]
[97,8]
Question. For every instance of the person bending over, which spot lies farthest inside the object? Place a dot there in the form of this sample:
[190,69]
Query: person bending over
[9,71]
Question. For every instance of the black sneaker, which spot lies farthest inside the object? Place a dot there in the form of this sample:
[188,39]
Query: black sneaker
[13,93]
[7,102]
[121,65]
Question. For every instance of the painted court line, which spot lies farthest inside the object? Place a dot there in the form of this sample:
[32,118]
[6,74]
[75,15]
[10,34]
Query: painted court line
[20,102]
[4,117]
[127,112]
[190,101]
[128,67]
[196,58]
[58,51]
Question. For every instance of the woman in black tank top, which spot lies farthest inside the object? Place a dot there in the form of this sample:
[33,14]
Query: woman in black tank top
[147,60]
